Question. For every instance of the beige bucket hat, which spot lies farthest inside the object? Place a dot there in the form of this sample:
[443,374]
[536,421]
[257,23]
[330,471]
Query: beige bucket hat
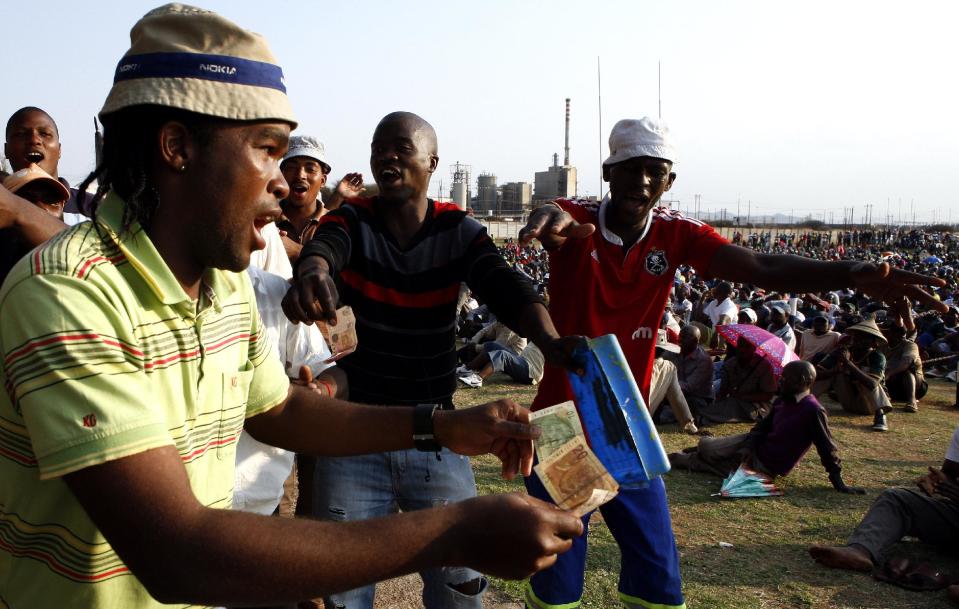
[188,58]
[868,326]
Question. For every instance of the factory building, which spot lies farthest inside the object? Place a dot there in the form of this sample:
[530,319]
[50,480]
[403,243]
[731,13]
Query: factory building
[459,191]
[486,196]
[558,180]
[516,197]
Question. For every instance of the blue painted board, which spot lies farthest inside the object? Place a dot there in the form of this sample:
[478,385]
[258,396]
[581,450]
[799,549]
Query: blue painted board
[614,414]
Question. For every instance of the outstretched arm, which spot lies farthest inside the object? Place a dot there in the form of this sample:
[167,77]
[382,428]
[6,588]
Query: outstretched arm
[553,226]
[784,272]
[310,423]
[184,552]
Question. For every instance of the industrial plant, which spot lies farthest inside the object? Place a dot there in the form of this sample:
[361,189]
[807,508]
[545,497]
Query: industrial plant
[513,198]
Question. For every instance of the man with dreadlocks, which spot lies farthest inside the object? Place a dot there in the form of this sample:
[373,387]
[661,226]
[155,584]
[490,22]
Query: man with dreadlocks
[122,411]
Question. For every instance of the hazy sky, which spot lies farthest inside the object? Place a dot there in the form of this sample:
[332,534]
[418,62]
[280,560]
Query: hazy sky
[805,107]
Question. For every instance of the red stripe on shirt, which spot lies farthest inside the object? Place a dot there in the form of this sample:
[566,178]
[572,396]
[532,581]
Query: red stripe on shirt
[421,300]
[43,343]
[199,452]
[335,218]
[51,561]
[29,461]
[172,358]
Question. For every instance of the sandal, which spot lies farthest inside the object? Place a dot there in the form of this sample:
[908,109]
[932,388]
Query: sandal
[920,577]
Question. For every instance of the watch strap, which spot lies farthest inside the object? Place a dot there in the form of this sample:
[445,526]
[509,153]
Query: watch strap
[423,438]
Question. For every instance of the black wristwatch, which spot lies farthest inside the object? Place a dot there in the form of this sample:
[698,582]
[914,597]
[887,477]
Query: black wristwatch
[423,438]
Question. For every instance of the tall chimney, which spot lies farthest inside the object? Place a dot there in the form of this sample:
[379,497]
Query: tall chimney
[566,157]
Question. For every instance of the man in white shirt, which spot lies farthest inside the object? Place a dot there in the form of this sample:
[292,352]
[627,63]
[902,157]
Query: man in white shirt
[779,326]
[721,309]
[261,469]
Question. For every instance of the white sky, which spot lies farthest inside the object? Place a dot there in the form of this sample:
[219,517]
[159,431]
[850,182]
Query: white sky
[799,107]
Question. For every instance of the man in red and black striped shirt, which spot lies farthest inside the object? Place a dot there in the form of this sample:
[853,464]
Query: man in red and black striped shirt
[398,260]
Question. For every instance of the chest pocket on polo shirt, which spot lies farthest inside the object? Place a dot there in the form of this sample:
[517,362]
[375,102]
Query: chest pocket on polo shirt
[235,393]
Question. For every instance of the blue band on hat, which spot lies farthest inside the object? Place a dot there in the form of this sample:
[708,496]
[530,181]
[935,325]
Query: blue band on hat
[220,68]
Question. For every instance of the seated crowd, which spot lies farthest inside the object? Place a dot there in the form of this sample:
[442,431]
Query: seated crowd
[223,303]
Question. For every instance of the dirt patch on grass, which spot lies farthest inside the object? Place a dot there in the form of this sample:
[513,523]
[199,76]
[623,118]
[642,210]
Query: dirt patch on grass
[404,593]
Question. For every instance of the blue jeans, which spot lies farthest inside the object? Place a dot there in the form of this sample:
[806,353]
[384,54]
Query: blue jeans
[516,367]
[368,486]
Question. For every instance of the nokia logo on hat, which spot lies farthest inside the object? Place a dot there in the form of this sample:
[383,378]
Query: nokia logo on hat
[221,68]
[212,67]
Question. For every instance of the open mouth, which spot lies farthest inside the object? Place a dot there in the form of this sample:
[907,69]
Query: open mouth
[299,189]
[34,156]
[264,219]
[258,223]
[389,175]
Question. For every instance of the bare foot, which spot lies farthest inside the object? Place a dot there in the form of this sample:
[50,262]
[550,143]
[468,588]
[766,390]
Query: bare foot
[842,557]
[953,592]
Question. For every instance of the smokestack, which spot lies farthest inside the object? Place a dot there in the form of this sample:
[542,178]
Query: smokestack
[566,157]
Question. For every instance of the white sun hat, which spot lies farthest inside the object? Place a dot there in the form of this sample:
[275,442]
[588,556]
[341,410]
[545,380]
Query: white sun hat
[632,138]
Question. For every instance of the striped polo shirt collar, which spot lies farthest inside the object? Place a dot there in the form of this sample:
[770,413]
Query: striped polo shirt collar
[140,252]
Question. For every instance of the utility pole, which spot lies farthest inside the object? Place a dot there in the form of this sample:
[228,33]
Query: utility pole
[659,85]
[599,97]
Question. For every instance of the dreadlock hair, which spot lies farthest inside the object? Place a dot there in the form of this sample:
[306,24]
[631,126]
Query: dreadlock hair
[130,138]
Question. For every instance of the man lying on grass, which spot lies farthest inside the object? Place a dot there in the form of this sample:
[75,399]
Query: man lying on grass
[930,513]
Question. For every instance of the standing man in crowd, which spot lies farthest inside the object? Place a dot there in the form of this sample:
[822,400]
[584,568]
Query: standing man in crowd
[620,275]
[306,170]
[32,140]
[398,260]
[122,411]
[32,136]
[31,211]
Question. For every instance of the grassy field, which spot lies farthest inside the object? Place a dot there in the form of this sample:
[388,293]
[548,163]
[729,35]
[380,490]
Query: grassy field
[768,566]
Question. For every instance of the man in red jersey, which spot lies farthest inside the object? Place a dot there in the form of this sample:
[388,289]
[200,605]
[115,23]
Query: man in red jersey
[611,268]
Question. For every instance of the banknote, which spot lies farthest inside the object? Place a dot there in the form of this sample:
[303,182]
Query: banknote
[558,424]
[596,499]
[341,338]
[575,478]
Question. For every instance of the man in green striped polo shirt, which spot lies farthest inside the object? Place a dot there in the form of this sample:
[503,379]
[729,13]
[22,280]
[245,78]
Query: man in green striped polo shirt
[133,355]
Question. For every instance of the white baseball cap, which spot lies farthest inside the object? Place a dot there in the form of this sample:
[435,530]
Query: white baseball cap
[632,138]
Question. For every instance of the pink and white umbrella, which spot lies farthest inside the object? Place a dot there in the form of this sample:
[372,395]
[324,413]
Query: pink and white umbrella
[769,346]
